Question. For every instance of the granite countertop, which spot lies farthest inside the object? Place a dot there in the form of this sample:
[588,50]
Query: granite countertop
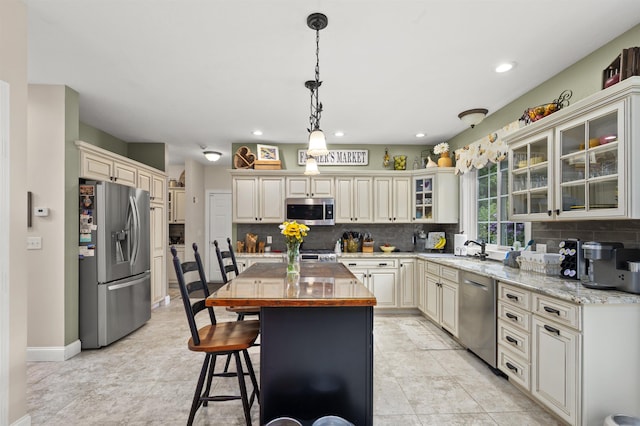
[569,290]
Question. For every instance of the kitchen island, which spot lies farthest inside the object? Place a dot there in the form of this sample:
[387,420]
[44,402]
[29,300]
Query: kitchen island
[316,344]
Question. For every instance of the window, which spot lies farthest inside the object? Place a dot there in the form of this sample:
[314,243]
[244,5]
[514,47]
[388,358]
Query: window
[492,202]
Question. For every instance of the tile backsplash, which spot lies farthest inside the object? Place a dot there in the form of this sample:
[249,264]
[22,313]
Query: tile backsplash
[551,233]
[325,237]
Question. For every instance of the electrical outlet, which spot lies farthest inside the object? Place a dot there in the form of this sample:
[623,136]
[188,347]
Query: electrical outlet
[541,248]
[34,243]
[269,239]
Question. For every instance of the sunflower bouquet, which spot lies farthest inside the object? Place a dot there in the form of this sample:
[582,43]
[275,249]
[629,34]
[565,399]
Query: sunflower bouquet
[293,233]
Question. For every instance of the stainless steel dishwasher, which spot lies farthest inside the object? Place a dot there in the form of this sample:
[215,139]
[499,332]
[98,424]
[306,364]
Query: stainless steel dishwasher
[477,316]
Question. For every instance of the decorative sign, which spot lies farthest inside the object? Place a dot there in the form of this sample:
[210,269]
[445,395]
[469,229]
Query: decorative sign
[338,157]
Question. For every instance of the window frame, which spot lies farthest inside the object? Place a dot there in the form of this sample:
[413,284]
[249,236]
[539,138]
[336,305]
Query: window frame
[469,188]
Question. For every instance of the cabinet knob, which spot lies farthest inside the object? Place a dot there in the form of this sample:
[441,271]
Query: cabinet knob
[549,212]
[312,194]
[557,212]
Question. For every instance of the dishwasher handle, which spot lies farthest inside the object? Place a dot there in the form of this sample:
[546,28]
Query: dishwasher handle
[476,284]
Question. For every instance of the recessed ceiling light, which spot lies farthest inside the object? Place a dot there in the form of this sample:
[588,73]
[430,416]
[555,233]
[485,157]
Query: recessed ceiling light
[339,133]
[420,135]
[257,133]
[504,67]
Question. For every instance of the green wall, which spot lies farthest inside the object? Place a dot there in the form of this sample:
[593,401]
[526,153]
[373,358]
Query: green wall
[289,155]
[102,139]
[151,154]
[584,78]
[71,229]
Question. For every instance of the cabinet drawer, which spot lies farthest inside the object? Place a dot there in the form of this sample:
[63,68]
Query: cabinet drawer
[557,310]
[515,296]
[516,340]
[370,263]
[433,268]
[513,366]
[515,316]
[450,274]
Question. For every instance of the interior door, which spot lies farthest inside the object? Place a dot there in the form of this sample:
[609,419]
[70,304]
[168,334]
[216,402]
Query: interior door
[219,207]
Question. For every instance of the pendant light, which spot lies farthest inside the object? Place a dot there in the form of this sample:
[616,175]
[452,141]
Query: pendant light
[312,166]
[317,141]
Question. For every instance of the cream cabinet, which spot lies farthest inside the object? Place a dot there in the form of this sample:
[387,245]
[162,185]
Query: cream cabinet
[435,196]
[379,275]
[392,199]
[155,184]
[176,205]
[158,252]
[408,284]
[421,278]
[579,163]
[441,298]
[246,261]
[310,187]
[354,199]
[104,167]
[258,199]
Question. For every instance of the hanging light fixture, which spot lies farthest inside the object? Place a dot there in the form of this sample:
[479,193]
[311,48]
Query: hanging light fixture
[471,117]
[312,166]
[317,141]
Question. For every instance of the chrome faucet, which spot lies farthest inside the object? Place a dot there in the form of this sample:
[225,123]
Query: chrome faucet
[483,254]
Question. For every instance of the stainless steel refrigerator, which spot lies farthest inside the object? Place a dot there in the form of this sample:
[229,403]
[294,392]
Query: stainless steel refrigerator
[115,278]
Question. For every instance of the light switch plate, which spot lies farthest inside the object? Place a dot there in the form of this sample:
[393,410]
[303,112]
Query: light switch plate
[34,243]
[541,248]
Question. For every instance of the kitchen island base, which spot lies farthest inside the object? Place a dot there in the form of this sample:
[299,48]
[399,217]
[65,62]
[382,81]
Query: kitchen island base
[316,362]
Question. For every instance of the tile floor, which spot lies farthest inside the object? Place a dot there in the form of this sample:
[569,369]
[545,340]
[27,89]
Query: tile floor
[422,377]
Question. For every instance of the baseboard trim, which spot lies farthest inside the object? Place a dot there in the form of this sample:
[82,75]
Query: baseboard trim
[23,421]
[54,353]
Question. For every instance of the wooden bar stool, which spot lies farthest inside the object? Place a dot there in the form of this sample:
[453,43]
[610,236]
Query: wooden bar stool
[224,338]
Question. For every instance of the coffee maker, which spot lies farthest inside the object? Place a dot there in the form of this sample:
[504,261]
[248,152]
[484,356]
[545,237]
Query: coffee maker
[419,241]
[610,266]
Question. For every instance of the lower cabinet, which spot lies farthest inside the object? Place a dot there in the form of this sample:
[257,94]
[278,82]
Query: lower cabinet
[555,378]
[421,295]
[379,276]
[567,356]
[158,253]
[441,296]
[408,284]
[245,261]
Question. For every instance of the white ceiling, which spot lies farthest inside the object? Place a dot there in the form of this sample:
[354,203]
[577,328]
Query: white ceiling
[195,73]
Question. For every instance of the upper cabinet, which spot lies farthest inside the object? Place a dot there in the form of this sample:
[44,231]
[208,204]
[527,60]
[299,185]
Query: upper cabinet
[176,207]
[426,195]
[392,199]
[580,162]
[258,199]
[96,166]
[435,195]
[309,187]
[354,200]
[154,183]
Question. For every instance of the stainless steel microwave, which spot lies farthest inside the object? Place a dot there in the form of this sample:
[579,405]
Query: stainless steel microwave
[310,211]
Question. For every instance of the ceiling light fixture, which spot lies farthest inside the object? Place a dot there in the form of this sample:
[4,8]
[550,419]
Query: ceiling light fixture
[339,134]
[504,67]
[257,133]
[472,117]
[420,135]
[212,155]
[317,141]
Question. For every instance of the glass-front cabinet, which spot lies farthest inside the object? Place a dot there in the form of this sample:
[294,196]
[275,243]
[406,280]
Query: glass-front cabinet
[423,192]
[531,177]
[580,162]
[435,195]
[590,151]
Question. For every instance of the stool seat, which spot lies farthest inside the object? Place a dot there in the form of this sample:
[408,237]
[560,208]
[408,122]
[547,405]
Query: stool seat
[226,336]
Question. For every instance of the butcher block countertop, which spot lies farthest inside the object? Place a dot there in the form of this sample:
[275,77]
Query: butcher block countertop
[319,284]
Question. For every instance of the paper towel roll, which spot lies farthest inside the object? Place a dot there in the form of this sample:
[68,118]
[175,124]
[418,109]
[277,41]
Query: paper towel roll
[459,249]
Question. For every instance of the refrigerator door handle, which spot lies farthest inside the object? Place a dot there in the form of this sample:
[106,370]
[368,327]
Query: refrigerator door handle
[134,230]
[112,287]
